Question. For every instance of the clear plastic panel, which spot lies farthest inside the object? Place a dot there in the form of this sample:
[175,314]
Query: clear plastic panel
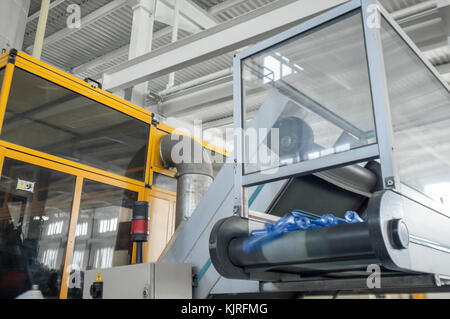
[309,97]
[54,120]
[420,110]
[102,235]
[2,75]
[34,224]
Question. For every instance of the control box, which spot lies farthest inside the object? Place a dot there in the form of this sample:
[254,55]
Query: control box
[140,281]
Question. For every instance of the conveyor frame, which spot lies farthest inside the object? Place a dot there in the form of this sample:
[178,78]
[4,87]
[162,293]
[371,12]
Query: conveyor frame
[411,251]
[382,149]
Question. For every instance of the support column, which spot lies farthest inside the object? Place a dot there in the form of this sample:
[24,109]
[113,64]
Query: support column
[444,12]
[141,41]
[40,33]
[176,20]
[13,21]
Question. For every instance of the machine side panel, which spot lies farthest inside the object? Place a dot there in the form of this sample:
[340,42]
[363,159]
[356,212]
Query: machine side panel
[132,280]
[429,243]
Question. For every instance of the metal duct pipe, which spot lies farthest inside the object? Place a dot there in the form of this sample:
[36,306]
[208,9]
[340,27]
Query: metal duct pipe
[196,82]
[194,171]
[13,20]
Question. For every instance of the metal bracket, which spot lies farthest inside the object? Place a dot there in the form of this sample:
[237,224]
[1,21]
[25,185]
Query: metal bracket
[12,56]
[154,122]
[389,182]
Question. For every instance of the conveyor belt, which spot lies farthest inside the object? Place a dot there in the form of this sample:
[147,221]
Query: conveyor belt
[347,188]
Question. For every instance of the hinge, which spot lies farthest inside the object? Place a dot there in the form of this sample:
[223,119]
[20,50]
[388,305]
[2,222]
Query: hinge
[12,56]
[154,121]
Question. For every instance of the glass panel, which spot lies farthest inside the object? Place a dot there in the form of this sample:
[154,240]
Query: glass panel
[313,96]
[420,109]
[35,213]
[49,118]
[102,235]
[332,191]
[2,74]
[164,182]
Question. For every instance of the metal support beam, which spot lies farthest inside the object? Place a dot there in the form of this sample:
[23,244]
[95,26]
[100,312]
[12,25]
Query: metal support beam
[225,6]
[164,14]
[176,20]
[413,10]
[116,53]
[226,37]
[193,12]
[54,4]
[40,33]
[444,13]
[89,19]
[141,41]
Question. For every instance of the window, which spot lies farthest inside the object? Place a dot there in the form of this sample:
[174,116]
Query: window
[107,225]
[104,257]
[277,67]
[81,229]
[55,228]
[49,258]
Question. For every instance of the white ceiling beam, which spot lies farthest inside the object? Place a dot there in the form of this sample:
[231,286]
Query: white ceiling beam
[414,9]
[38,13]
[89,19]
[194,13]
[444,13]
[224,6]
[115,54]
[223,38]
[444,69]
[164,14]
[190,10]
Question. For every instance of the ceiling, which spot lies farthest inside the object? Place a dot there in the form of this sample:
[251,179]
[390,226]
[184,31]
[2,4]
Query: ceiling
[102,42]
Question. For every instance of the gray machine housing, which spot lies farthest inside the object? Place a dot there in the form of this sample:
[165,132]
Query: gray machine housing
[405,233]
[143,281]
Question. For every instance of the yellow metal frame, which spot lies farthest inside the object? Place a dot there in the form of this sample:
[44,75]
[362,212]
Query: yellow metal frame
[82,171]
[67,81]
[7,80]
[73,83]
[71,238]
[3,59]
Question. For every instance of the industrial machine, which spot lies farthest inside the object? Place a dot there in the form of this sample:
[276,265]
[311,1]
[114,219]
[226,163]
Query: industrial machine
[74,161]
[339,115]
[340,155]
